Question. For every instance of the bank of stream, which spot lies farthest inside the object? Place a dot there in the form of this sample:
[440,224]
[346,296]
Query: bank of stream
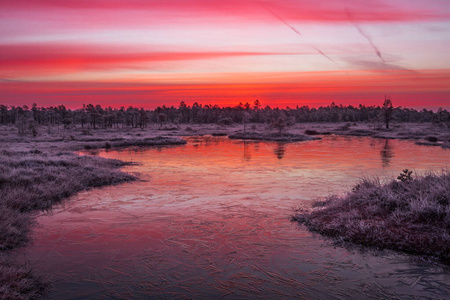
[212,218]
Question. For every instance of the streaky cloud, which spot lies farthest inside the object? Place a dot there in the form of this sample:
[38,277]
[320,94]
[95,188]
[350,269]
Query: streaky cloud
[366,36]
[8,80]
[282,20]
[323,54]
[376,66]
[298,10]
[375,48]
[316,86]
[66,58]
[296,31]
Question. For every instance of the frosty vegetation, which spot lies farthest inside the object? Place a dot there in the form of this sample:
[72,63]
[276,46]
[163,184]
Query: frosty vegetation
[35,181]
[96,116]
[38,167]
[39,170]
[379,121]
[278,137]
[31,181]
[410,214]
[18,282]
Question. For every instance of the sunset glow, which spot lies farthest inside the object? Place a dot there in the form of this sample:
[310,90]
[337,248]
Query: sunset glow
[284,53]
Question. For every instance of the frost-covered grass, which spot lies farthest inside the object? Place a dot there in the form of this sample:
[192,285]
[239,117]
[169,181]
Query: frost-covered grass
[410,214]
[428,134]
[35,181]
[272,136]
[37,172]
[19,282]
[76,138]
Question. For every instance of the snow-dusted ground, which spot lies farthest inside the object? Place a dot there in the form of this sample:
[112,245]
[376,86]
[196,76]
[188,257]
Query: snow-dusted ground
[30,163]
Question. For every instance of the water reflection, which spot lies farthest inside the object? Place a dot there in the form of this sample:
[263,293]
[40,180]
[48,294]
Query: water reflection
[247,151]
[206,223]
[280,149]
[386,153]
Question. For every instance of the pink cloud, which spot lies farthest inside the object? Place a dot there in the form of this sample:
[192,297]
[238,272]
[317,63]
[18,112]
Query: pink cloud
[26,59]
[291,10]
[310,88]
[52,37]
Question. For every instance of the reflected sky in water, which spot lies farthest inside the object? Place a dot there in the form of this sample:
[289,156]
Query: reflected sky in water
[212,219]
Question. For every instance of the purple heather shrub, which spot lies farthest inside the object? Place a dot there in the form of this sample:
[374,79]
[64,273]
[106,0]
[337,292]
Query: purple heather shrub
[411,215]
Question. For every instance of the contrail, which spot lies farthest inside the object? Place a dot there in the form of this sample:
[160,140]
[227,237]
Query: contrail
[283,20]
[323,54]
[297,32]
[8,80]
[366,36]
[375,48]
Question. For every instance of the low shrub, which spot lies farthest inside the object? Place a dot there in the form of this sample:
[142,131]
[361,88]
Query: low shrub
[411,214]
[432,139]
[18,282]
[36,181]
[311,132]
[225,121]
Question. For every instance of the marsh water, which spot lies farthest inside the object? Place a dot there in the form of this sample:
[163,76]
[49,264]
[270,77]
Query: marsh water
[212,219]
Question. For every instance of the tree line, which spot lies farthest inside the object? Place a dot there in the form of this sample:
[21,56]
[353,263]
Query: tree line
[96,116]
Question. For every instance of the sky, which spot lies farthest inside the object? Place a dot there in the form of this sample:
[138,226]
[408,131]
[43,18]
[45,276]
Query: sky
[281,52]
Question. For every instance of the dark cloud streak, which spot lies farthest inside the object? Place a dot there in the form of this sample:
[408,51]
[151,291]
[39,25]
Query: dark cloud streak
[366,36]
[375,48]
[376,66]
[297,32]
[283,20]
[323,54]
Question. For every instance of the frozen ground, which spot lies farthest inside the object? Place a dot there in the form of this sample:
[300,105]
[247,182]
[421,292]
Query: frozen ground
[25,159]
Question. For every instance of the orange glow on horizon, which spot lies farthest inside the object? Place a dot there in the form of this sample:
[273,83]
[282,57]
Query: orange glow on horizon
[284,53]
[312,89]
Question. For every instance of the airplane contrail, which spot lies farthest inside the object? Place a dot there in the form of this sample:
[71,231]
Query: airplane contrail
[366,36]
[283,20]
[323,54]
[375,48]
[297,32]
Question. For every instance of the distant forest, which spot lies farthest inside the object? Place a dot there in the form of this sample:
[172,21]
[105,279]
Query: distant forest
[96,116]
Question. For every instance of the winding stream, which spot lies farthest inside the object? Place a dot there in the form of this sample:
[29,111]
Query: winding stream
[212,219]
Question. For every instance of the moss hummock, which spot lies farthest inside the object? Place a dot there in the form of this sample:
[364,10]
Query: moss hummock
[408,214]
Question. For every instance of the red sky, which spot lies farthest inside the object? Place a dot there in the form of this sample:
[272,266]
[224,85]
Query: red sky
[285,52]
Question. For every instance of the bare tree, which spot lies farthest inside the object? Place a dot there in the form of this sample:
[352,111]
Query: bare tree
[245,119]
[387,110]
[279,124]
[162,118]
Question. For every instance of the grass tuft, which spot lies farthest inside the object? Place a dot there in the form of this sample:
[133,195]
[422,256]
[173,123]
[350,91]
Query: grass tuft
[18,282]
[36,173]
[36,182]
[311,132]
[432,139]
[411,214]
